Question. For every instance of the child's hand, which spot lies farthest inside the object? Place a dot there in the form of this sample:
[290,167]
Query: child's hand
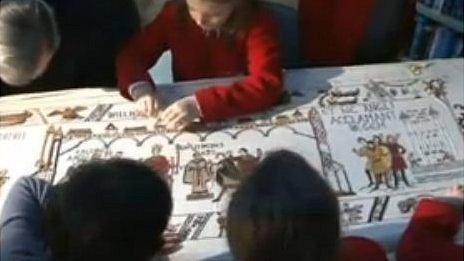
[454,197]
[146,98]
[180,114]
[148,104]
[172,243]
[456,191]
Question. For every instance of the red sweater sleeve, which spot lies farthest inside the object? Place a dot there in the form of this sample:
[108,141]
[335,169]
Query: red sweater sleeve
[257,92]
[358,248]
[430,234]
[142,52]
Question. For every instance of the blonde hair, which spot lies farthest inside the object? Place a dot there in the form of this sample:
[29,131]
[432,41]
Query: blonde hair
[27,28]
[239,20]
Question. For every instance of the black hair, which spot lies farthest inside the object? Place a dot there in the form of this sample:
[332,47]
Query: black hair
[284,211]
[108,210]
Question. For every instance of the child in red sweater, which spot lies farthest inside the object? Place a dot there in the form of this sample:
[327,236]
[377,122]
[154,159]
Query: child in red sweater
[207,38]
[433,227]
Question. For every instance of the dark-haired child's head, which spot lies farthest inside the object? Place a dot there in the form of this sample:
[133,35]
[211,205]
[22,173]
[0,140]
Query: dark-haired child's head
[284,211]
[108,210]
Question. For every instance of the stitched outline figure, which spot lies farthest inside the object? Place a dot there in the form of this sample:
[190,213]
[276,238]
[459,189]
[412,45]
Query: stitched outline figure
[398,165]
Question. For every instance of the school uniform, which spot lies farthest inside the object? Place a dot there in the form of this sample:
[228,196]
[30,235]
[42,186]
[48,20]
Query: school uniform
[430,234]
[197,55]
[22,236]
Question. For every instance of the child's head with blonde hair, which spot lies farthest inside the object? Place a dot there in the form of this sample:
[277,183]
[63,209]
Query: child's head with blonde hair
[230,16]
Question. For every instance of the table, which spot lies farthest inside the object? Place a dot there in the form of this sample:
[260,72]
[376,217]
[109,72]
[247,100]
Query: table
[326,116]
